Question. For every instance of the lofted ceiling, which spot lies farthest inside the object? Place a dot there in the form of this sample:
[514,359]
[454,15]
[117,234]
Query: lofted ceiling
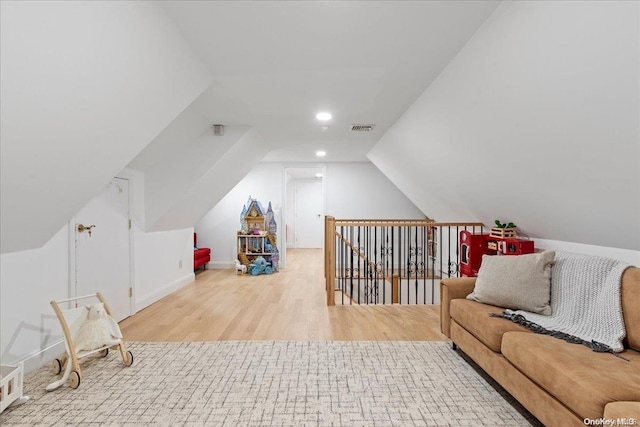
[276,64]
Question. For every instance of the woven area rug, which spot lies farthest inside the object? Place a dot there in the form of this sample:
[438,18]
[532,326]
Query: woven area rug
[271,383]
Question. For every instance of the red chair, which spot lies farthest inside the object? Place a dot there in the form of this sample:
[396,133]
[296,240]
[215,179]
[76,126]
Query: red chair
[201,256]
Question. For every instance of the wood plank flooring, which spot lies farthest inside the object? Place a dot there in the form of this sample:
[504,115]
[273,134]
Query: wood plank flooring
[288,305]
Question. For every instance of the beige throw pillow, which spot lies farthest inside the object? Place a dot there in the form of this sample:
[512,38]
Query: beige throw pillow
[521,282]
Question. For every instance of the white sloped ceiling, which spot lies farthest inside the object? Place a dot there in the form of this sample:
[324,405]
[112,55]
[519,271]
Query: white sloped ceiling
[535,121]
[85,86]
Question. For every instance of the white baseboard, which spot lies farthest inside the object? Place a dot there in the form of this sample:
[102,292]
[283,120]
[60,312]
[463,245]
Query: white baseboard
[43,357]
[162,292]
[221,265]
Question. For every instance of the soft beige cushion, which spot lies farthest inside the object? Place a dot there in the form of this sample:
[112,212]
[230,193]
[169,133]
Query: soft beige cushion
[521,282]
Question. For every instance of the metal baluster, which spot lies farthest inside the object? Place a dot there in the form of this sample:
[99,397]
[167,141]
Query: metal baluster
[342,263]
[392,251]
[407,244]
[415,231]
[375,259]
[425,246]
[457,251]
[431,231]
[440,247]
[358,260]
[351,284]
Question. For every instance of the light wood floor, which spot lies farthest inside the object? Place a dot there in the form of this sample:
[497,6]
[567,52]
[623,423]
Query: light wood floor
[289,305]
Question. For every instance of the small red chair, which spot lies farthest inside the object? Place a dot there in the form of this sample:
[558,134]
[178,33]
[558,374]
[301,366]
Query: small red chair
[201,256]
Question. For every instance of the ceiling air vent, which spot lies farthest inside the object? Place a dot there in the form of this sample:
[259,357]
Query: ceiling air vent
[218,130]
[361,128]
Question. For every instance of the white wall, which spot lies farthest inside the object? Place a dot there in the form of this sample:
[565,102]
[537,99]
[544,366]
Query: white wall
[218,228]
[163,261]
[628,256]
[163,264]
[535,121]
[29,281]
[84,87]
[211,182]
[352,190]
[361,191]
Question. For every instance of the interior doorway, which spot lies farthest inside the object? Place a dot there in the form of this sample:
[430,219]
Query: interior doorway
[101,260]
[308,213]
[304,213]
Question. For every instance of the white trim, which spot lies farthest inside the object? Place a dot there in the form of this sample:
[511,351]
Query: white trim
[131,178]
[294,165]
[40,358]
[72,258]
[221,265]
[162,292]
[125,175]
[626,255]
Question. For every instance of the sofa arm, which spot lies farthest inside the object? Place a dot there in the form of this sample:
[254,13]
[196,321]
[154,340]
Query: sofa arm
[622,410]
[452,288]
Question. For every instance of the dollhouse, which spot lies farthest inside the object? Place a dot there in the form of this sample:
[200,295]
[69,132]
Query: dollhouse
[257,238]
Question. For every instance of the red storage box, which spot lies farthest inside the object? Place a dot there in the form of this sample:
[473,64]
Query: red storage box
[515,246]
[472,247]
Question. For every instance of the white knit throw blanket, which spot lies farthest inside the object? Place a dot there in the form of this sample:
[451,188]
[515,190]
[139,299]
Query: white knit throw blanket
[585,299]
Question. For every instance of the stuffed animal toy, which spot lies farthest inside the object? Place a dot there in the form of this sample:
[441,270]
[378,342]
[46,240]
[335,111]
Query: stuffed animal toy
[240,269]
[97,330]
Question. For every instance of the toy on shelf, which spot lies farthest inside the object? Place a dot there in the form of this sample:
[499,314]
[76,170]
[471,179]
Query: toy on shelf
[88,330]
[502,240]
[503,230]
[240,268]
[260,266]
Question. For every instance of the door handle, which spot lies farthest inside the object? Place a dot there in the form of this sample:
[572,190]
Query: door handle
[87,228]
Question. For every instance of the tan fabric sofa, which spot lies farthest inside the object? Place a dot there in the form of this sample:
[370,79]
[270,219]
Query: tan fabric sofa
[561,384]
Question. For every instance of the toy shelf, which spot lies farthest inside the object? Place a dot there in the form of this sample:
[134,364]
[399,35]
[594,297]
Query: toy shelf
[11,382]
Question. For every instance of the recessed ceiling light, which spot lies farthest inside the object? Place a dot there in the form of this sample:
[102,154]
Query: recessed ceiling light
[321,153]
[323,116]
[318,175]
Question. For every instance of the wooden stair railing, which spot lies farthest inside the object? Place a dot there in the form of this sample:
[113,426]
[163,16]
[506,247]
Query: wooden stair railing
[402,271]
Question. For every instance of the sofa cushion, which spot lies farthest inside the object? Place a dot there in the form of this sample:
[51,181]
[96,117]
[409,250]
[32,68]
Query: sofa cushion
[201,252]
[583,380]
[474,317]
[520,282]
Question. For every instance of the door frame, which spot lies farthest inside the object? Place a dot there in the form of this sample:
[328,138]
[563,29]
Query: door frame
[73,291]
[285,173]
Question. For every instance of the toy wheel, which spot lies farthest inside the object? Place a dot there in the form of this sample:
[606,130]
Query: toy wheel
[74,379]
[56,366]
[104,353]
[129,360]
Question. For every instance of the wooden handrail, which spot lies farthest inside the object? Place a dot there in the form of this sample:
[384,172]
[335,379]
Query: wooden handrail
[356,251]
[402,223]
